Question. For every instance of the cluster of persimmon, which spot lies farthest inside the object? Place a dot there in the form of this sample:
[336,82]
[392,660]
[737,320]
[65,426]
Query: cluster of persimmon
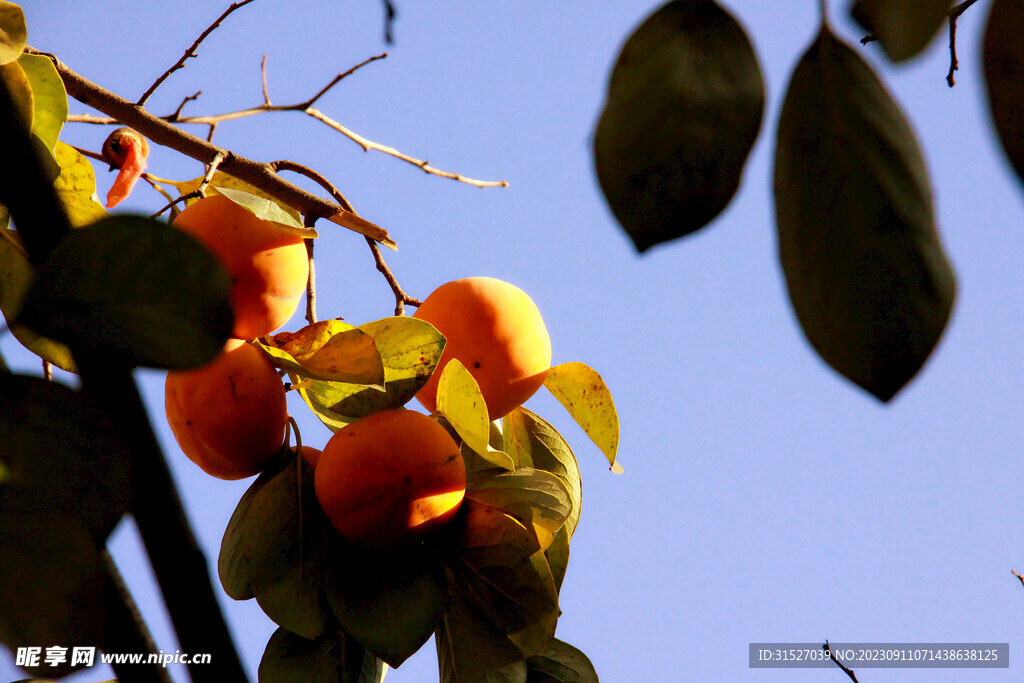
[391,477]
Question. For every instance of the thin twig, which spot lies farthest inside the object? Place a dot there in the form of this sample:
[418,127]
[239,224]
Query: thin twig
[307,108]
[191,52]
[214,164]
[257,174]
[954,14]
[1017,574]
[401,298]
[847,670]
[124,629]
[174,202]
[158,187]
[91,155]
[263,77]
[315,176]
[311,281]
[177,112]
[389,21]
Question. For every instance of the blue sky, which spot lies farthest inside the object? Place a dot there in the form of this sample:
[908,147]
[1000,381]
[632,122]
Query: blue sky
[765,498]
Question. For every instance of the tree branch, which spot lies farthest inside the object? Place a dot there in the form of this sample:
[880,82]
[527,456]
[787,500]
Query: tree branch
[255,173]
[191,52]
[954,14]
[847,670]
[306,107]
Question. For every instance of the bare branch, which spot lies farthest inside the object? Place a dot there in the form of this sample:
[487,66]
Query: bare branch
[307,108]
[311,284]
[177,112]
[389,21]
[191,52]
[847,670]
[263,78]
[257,174]
[954,14]
[218,159]
[1018,575]
[315,176]
[401,298]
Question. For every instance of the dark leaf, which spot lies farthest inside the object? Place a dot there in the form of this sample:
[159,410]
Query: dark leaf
[332,658]
[51,592]
[557,555]
[1003,61]
[389,601]
[684,108]
[869,281]
[903,28]
[538,499]
[560,663]
[471,649]
[60,456]
[136,289]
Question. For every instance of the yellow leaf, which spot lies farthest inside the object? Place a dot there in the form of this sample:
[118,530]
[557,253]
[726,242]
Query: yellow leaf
[584,394]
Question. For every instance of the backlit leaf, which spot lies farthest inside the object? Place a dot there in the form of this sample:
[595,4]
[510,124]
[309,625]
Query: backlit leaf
[558,556]
[459,400]
[21,91]
[60,455]
[16,275]
[865,269]
[538,499]
[329,350]
[584,394]
[409,350]
[532,442]
[684,108]
[50,100]
[499,567]
[76,186]
[266,209]
[1003,61]
[225,181]
[903,28]
[136,289]
[13,32]
[560,663]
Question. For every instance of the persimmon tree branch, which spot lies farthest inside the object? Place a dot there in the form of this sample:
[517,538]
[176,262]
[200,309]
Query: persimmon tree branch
[191,52]
[307,107]
[257,174]
[847,670]
[954,14]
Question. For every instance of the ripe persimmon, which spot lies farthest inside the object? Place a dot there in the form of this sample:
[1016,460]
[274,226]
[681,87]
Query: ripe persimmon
[496,332]
[268,266]
[228,416]
[389,478]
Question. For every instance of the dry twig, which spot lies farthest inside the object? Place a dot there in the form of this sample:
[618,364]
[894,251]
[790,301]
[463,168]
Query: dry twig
[954,14]
[847,670]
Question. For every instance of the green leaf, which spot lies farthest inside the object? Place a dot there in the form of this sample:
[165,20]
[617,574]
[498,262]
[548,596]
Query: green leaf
[500,568]
[16,274]
[389,601]
[684,107]
[61,456]
[52,585]
[332,658]
[560,663]
[266,209]
[557,555]
[459,400]
[409,350]
[538,499]
[18,85]
[585,395]
[329,350]
[50,100]
[533,442]
[13,32]
[274,546]
[1003,62]
[224,181]
[869,281]
[136,289]
[471,649]
[903,28]
[76,186]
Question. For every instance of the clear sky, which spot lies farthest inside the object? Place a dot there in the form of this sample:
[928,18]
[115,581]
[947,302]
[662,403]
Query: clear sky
[764,497]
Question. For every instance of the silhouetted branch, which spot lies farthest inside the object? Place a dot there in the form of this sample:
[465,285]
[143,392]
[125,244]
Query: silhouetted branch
[389,21]
[847,670]
[954,14]
[191,52]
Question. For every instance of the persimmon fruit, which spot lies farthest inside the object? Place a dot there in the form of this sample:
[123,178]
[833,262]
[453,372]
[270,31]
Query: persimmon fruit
[390,478]
[228,416]
[269,266]
[496,332]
